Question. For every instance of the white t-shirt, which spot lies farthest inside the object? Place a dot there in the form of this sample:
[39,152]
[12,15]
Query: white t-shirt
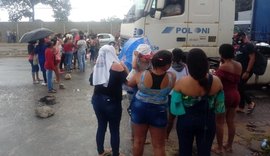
[81,45]
[179,75]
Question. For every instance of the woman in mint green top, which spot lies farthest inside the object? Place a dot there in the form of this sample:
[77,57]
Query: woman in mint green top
[197,99]
[215,101]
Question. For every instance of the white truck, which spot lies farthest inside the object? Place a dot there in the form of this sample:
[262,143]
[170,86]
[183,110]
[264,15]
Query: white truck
[204,24]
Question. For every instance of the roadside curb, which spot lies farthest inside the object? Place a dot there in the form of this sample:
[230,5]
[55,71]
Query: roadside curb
[13,49]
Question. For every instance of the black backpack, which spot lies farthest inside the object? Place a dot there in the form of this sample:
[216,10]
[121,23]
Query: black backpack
[260,62]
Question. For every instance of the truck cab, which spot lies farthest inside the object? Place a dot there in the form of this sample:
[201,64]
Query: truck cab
[204,24]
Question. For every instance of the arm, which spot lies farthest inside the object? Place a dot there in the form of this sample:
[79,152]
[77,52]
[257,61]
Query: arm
[250,66]
[220,99]
[134,60]
[173,78]
[132,82]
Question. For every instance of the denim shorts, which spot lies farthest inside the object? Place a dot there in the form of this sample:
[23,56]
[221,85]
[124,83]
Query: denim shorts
[147,113]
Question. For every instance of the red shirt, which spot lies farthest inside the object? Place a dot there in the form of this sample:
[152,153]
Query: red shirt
[49,59]
[68,47]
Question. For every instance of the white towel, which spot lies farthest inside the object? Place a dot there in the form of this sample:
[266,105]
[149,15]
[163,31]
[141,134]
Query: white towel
[106,57]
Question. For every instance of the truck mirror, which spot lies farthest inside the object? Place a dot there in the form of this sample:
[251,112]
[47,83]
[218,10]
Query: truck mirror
[158,14]
[160,4]
[159,7]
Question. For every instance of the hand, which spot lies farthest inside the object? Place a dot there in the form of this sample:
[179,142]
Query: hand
[245,75]
[136,53]
[122,63]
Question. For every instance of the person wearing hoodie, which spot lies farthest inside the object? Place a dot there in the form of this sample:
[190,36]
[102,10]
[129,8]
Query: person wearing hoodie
[180,69]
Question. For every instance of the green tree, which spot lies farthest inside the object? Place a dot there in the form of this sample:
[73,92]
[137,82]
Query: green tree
[26,8]
[61,9]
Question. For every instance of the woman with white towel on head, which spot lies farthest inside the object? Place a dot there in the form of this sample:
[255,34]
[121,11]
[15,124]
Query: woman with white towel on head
[108,76]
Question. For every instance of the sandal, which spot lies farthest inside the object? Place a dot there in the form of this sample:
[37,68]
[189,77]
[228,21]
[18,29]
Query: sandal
[217,151]
[107,152]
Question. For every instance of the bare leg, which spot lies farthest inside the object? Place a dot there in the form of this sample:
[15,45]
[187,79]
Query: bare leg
[57,73]
[158,136]
[219,133]
[33,77]
[170,125]
[37,76]
[230,114]
[140,131]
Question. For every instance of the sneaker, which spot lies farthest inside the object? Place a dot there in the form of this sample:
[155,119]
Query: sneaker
[52,91]
[44,84]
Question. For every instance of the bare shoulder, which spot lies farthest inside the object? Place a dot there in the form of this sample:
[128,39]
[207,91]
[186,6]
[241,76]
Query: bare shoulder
[238,66]
[180,83]
[217,84]
[117,67]
[223,67]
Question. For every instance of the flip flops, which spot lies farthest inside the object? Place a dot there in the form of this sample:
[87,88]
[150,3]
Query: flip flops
[107,152]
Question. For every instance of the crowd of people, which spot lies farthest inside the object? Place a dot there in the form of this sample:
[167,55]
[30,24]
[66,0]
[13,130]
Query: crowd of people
[168,85]
[60,54]
[163,86]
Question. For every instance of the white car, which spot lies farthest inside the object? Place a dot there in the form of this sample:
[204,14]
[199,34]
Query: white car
[105,38]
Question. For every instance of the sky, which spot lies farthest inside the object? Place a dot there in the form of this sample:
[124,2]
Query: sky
[82,10]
